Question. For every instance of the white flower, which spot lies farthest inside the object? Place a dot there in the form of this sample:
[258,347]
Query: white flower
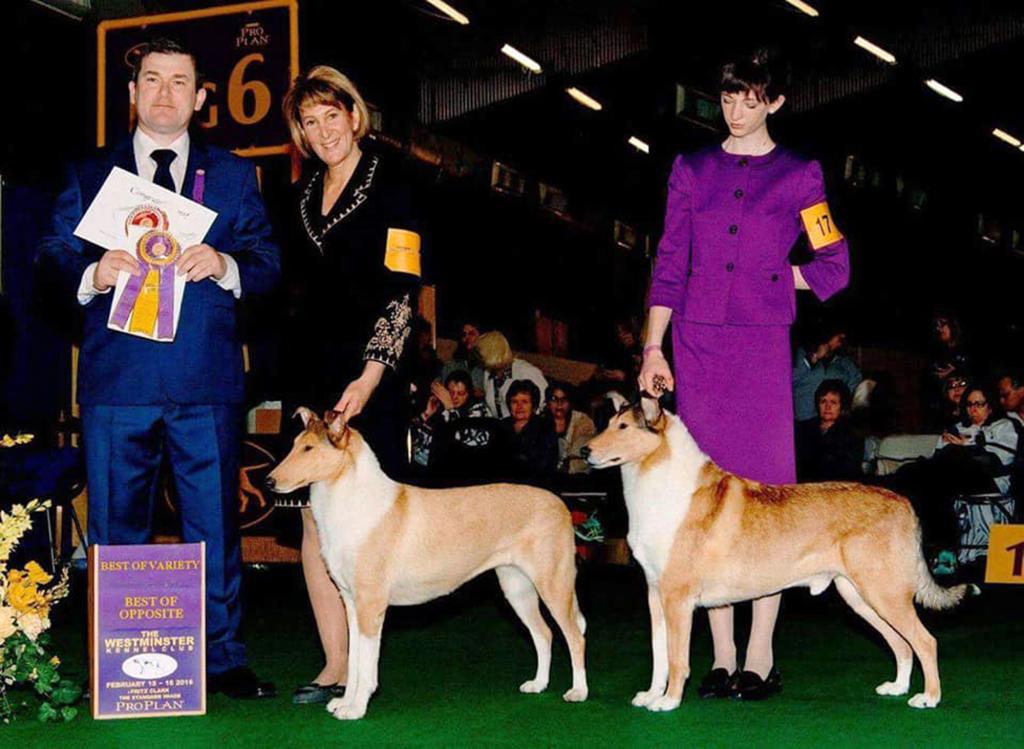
[7,627]
[32,625]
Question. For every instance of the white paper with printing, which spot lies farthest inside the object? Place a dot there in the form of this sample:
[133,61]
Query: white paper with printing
[105,222]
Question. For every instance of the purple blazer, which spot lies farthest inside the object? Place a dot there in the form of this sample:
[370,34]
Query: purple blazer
[729,226]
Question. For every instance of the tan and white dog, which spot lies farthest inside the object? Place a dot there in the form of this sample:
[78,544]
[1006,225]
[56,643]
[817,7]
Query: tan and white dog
[387,543]
[705,537]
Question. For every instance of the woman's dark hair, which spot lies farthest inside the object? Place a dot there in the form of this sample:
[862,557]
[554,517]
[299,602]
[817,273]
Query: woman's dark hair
[753,73]
[953,322]
[565,387]
[460,376]
[839,388]
[523,386]
[990,401]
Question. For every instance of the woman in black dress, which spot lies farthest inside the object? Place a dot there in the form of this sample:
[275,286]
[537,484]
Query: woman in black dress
[352,266]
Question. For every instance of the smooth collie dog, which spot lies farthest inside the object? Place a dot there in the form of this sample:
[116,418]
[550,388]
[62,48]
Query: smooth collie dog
[705,537]
[387,543]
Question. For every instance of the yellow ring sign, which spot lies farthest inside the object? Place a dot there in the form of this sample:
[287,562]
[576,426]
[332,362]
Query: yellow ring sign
[1005,554]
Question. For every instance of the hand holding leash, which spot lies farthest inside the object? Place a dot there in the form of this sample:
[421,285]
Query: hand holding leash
[655,374]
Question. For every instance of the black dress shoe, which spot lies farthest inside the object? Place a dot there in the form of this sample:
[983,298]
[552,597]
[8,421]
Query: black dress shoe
[240,684]
[717,683]
[313,693]
[750,686]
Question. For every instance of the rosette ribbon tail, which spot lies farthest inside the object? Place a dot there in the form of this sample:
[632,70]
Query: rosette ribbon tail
[165,303]
[126,303]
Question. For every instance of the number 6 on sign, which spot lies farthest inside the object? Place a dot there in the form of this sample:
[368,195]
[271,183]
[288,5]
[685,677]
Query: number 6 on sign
[821,229]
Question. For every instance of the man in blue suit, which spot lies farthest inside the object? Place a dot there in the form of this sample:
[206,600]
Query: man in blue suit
[144,401]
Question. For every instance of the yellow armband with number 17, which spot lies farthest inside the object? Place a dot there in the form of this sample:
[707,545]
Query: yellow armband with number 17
[821,229]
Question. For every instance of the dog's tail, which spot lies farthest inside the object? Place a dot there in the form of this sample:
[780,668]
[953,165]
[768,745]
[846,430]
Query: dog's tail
[931,595]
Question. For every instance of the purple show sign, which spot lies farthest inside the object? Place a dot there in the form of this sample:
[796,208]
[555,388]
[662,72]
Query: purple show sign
[147,621]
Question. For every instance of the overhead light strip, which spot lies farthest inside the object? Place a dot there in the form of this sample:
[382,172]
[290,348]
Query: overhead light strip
[943,90]
[584,99]
[525,60]
[1006,137]
[639,145]
[804,7]
[881,54]
[449,11]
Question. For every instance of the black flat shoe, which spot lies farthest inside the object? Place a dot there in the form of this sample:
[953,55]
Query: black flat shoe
[750,686]
[240,684]
[717,683]
[313,693]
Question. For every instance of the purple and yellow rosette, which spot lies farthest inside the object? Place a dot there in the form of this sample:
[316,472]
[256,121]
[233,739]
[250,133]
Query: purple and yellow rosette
[148,298]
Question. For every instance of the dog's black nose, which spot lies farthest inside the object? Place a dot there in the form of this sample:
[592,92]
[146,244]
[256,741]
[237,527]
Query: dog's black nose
[585,451]
[270,483]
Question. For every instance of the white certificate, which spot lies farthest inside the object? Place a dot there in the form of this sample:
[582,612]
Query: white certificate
[124,199]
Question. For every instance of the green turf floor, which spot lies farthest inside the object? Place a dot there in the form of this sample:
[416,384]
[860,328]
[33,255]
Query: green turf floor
[449,672]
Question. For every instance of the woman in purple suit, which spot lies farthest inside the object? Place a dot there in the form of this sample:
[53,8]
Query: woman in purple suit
[723,279]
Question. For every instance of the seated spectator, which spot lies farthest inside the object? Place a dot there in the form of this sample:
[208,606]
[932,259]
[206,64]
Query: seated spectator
[530,442]
[827,449]
[459,403]
[949,355]
[501,369]
[572,428]
[449,403]
[947,414]
[949,358]
[465,358]
[1011,396]
[822,358]
[989,443]
[620,370]
[974,457]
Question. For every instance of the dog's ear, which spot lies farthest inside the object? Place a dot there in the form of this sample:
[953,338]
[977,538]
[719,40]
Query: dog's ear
[305,414]
[337,429]
[653,415]
[335,424]
[617,400]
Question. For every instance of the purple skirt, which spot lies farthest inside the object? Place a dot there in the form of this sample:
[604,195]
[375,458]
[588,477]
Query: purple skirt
[734,392]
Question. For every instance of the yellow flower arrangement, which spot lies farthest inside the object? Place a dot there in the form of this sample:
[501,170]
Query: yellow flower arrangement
[18,439]
[26,597]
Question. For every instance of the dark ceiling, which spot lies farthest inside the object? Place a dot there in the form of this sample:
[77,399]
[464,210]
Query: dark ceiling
[429,75]
[630,55]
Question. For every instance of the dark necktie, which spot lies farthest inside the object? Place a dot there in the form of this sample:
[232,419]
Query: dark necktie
[163,158]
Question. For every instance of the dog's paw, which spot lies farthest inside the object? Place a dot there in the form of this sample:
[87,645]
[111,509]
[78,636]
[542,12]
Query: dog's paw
[533,686]
[335,703]
[892,688]
[575,695]
[343,711]
[923,700]
[643,699]
[663,704]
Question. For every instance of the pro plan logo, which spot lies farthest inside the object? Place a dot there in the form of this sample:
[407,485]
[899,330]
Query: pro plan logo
[149,666]
[252,34]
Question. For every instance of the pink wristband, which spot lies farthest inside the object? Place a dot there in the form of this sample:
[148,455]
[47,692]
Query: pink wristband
[650,348]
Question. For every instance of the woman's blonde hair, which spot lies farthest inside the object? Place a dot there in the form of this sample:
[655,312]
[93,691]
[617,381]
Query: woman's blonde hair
[322,85]
[494,351]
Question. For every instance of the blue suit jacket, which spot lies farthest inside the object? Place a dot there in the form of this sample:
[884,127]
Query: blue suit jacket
[204,362]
